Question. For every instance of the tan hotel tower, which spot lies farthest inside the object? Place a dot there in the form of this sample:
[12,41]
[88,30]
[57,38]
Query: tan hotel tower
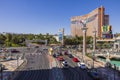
[95,20]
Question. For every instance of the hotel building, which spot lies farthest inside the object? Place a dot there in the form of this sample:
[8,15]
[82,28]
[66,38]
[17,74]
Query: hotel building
[95,20]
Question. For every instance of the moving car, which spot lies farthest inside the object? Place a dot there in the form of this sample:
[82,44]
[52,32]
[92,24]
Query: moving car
[66,53]
[0,51]
[82,65]
[75,59]
[60,58]
[65,64]
[36,46]
[70,55]
[59,53]
[94,74]
[54,55]
[14,51]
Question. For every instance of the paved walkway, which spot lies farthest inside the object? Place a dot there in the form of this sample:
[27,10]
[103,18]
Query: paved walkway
[90,61]
[106,73]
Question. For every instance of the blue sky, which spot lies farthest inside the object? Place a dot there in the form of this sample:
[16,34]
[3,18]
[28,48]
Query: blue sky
[47,16]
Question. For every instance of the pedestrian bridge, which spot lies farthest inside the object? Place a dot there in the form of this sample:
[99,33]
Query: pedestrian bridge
[37,40]
[108,56]
[101,40]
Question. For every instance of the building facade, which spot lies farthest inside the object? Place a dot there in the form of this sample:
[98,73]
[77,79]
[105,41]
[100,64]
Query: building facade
[96,20]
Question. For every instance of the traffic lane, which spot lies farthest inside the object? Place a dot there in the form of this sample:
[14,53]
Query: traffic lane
[33,69]
[35,74]
[73,74]
[82,73]
[42,64]
[68,73]
[41,68]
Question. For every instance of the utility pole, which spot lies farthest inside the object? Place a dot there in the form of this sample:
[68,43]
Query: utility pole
[94,45]
[62,36]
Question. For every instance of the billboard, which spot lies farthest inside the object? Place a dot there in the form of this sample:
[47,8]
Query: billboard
[106,28]
[106,31]
[60,36]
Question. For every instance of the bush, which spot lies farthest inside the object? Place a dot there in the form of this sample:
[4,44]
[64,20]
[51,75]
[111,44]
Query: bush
[15,45]
[89,55]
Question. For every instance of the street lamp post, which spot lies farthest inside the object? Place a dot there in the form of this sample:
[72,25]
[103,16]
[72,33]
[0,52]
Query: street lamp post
[94,45]
[23,56]
[62,36]
[17,61]
[1,71]
[84,29]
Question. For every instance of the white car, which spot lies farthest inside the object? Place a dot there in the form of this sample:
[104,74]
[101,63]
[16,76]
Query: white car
[65,64]
[82,65]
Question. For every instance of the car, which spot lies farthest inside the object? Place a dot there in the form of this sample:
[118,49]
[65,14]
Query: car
[36,47]
[94,74]
[14,51]
[75,59]
[82,65]
[65,52]
[45,49]
[65,64]
[70,55]
[54,55]
[60,58]
[59,53]
[0,51]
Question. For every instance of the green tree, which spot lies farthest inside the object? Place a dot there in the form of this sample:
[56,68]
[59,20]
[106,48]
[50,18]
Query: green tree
[2,39]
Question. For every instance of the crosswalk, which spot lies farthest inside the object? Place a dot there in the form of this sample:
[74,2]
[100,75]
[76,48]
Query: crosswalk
[37,67]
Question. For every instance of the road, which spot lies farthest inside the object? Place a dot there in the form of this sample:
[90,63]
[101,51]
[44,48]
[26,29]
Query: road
[37,67]
[74,72]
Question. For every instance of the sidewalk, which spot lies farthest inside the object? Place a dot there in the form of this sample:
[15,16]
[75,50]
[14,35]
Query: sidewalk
[106,73]
[90,61]
[10,67]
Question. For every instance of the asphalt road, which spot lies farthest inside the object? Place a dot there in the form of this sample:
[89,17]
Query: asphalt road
[37,67]
[74,72]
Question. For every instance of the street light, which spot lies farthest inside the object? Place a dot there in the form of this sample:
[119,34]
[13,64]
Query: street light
[23,55]
[84,29]
[1,71]
[17,61]
[63,37]
[94,45]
